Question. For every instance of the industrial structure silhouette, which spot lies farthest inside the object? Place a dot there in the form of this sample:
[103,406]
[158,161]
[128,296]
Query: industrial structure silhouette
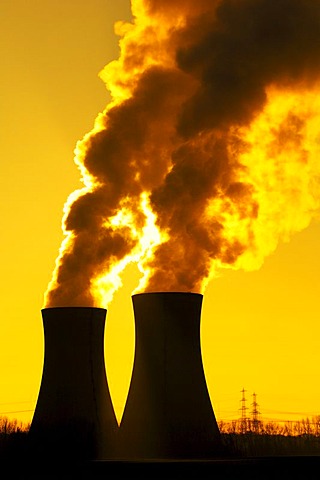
[74,416]
[168,413]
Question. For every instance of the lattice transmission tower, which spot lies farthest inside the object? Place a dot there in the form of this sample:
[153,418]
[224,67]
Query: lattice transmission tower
[255,414]
[243,410]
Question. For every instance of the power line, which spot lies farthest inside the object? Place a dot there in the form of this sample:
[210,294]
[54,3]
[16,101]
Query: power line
[17,411]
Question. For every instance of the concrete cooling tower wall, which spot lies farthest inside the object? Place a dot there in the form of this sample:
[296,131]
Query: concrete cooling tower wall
[74,416]
[168,413]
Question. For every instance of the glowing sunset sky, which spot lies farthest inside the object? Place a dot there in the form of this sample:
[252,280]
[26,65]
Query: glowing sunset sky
[260,329]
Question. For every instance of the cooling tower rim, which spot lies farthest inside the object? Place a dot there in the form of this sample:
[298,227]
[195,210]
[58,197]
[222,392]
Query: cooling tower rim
[73,308]
[189,294]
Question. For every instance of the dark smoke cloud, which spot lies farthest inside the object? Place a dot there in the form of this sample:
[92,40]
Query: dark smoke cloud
[247,45]
[130,155]
[172,137]
[235,54]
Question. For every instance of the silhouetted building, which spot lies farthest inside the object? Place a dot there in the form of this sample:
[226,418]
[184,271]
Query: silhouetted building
[74,416]
[168,413]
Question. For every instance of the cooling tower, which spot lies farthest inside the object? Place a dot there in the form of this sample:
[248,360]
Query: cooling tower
[74,416]
[168,414]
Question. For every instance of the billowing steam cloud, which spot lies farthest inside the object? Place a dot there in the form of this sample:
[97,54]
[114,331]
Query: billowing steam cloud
[207,155]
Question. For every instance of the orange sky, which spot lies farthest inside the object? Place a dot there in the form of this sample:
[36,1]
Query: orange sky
[260,330]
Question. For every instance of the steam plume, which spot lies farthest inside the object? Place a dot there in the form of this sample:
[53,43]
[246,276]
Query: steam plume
[207,155]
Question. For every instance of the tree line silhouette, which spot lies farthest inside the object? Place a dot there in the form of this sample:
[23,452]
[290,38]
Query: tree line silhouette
[305,426]
[261,438]
[254,438]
